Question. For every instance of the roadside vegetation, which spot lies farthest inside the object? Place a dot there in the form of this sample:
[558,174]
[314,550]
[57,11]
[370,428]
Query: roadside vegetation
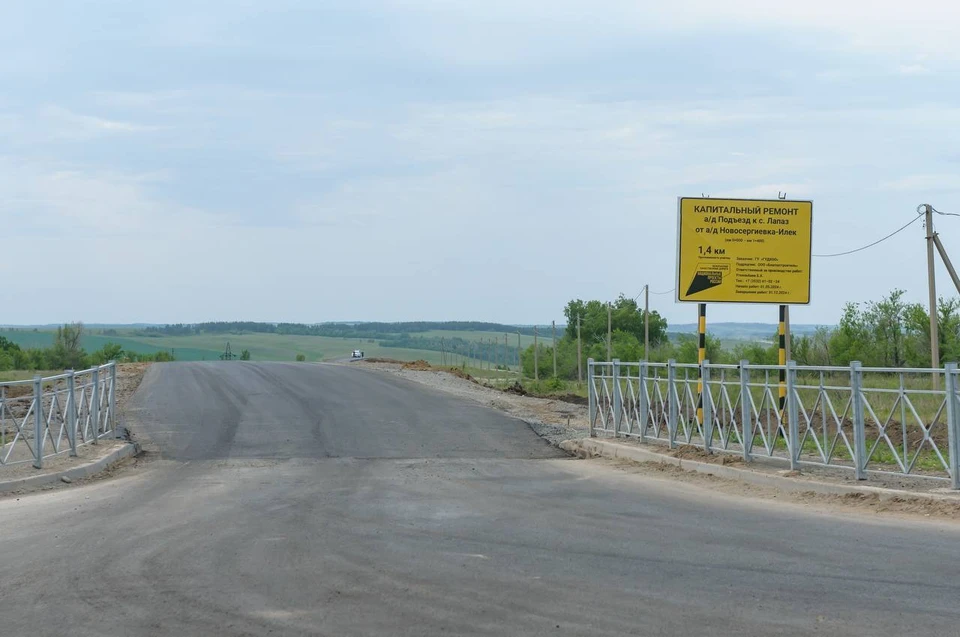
[884,333]
[67,353]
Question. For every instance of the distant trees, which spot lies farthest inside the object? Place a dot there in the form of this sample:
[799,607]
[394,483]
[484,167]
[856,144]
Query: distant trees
[67,353]
[245,355]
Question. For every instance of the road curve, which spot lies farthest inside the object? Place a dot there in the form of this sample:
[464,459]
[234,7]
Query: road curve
[323,500]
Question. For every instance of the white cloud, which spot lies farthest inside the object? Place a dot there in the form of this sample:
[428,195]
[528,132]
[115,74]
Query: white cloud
[913,69]
[65,124]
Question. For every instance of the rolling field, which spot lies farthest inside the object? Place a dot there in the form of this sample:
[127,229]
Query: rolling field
[262,346]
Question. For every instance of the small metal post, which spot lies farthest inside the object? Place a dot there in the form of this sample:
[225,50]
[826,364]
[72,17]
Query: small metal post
[953,426]
[672,415]
[793,415]
[706,399]
[554,324]
[95,406]
[617,399]
[646,322]
[72,412]
[113,396]
[644,400]
[859,432]
[38,436]
[609,332]
[591,398]
[746,410]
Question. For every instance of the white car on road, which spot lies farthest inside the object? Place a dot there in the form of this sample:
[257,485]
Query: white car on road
[357,354]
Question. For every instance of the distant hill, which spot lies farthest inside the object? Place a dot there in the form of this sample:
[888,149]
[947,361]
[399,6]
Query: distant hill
[742,331]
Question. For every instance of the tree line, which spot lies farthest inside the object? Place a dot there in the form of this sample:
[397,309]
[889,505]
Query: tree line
[375,330]
[885,333]
[67,353]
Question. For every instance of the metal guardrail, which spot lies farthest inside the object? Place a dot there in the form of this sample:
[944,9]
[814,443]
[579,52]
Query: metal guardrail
[45,417]
[888,420]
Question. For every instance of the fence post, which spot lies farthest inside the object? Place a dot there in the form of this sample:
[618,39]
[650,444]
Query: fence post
[95,406]
[644,401]
[113,397]
[746,410]
[591,398]
[859,433]
[72,412]
[617,399]
[672,415]
[38,434]
[706,399]
[793,415]
[953,426]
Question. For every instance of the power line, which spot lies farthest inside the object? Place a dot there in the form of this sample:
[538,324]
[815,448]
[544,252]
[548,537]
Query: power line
[870,245]
[945,214]
[665,292]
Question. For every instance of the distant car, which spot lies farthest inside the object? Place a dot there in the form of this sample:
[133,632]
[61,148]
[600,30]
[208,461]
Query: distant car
[357,354]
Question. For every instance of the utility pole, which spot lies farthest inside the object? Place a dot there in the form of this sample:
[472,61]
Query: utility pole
[519,361]
[609,332]
[554,349]
[536,356]
[443,354]
[506,352]
[932,284]
[579,355]
[946,260]
[646,322]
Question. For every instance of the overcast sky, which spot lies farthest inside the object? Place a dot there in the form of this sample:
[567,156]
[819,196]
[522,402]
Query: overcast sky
[426,159]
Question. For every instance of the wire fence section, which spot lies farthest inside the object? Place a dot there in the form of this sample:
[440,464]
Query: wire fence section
[45,417]
[900,421]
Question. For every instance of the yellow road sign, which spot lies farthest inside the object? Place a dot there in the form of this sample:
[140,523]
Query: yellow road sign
[744,251]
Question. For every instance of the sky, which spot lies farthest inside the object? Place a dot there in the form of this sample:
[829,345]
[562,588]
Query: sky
[391,160]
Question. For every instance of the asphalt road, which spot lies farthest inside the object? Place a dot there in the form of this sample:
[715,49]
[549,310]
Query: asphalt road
[321,500]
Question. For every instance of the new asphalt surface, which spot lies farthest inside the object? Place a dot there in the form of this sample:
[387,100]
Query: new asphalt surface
[283,499]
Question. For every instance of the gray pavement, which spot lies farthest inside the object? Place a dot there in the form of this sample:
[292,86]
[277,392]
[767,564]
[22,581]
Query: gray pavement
[322,500]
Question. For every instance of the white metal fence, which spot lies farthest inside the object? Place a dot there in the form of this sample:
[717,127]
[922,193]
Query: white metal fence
[44,417]
[901,421]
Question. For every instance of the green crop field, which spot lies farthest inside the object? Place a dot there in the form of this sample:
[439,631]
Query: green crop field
[262,346]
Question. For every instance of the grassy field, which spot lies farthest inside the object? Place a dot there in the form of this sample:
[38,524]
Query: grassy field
[269,347]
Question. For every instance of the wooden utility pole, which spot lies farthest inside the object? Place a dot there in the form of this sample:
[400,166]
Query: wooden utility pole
[554,349]
[579,355]
[506,353]
[932,285]
[646,322]
[536,356]
[609,332]
[443,354]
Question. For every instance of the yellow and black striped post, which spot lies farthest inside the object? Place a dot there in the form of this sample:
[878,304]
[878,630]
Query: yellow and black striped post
[782,331]
[701,356]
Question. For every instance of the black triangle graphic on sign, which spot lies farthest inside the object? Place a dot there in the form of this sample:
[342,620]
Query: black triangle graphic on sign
[703,282]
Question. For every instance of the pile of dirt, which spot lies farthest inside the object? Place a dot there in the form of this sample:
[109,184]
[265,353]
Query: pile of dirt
[517,389]
[572,398]
[392,361]
[420,366]
[459,373]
